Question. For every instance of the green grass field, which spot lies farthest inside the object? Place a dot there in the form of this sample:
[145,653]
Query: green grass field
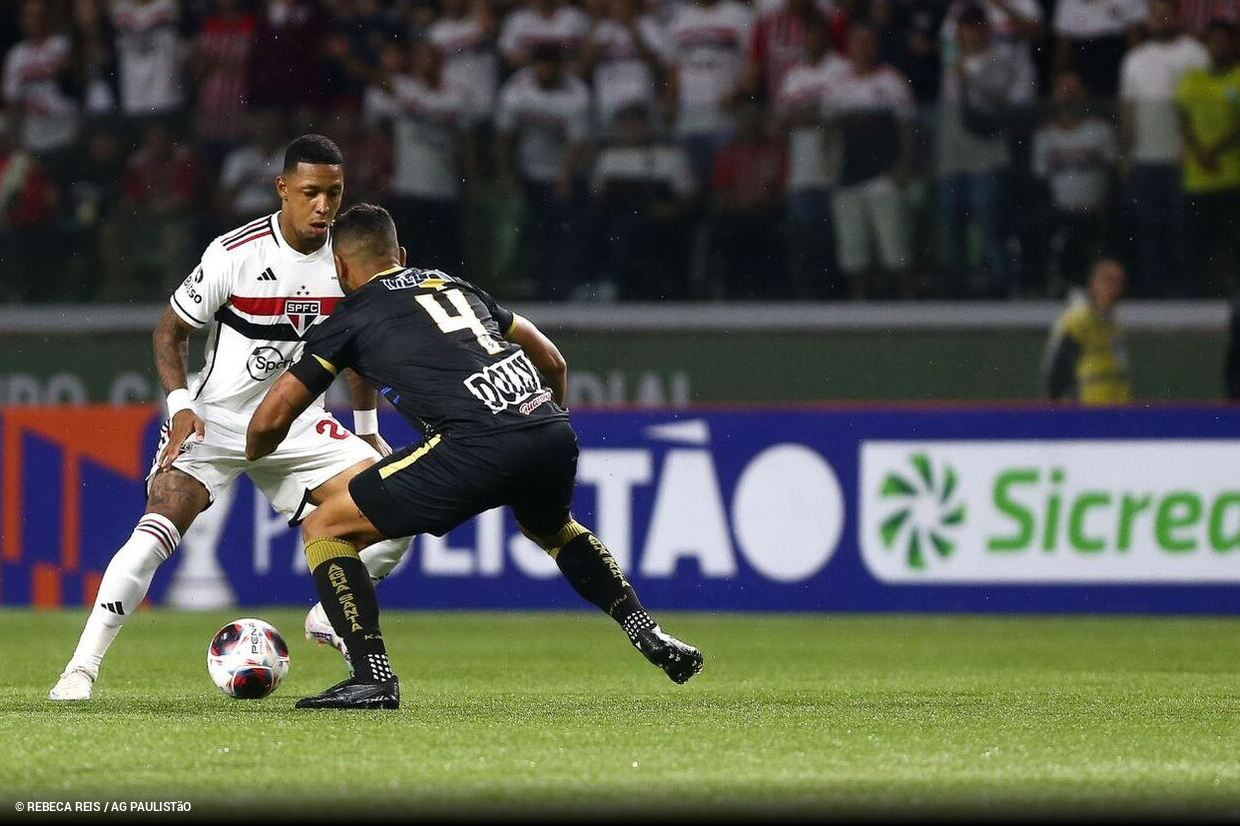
[524,713]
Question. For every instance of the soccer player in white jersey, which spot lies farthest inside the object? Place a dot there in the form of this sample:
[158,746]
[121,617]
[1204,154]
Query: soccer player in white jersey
[260,288]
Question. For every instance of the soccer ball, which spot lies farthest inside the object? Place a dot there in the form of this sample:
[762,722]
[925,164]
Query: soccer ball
[247,659]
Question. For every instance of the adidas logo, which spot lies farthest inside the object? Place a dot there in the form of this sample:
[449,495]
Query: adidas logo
[114,607]
[267,275]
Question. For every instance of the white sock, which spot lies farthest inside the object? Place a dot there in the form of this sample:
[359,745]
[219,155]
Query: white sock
[124,586]
[381,557]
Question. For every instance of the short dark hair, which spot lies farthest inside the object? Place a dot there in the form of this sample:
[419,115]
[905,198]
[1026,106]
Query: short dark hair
[973,15]
[368,228]
[311,149]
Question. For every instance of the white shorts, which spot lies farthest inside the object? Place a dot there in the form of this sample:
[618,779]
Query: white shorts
[317,448]
[867,215]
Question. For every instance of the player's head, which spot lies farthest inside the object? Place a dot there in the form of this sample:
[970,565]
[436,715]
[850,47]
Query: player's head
[1106,283]
[310,186]
[364,242]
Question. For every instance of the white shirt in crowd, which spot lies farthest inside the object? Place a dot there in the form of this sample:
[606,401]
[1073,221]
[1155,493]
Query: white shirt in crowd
[810,163]
[1003,25]
[426,132]
[49,117]
[546,122]
[621,76]
[1075,163]
[250,175]
[1148,79]
[659,163]
[525,29]
[470,61]
[150,52]
[1091,19]
[707,45]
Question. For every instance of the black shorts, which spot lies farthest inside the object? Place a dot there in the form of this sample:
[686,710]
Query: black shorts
[437,485]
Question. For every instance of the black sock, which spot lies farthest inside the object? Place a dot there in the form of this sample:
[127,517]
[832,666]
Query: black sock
[348,598]
[590,569]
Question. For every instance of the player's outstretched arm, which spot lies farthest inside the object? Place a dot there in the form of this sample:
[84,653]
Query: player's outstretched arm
[170,342]
[287,399]
[543,352]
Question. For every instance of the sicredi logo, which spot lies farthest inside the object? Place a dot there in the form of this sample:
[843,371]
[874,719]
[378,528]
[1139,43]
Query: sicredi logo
[1122,511]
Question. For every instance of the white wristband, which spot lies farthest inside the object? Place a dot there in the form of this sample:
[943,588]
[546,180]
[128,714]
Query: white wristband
[179,400]
[365,422]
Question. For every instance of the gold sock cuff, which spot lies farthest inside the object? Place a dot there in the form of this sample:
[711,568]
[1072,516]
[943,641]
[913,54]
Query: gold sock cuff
[319,551]
[567,534]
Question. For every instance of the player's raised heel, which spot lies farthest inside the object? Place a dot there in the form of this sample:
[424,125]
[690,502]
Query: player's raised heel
[679,660]
[354,694]
[75,684]
[319,629]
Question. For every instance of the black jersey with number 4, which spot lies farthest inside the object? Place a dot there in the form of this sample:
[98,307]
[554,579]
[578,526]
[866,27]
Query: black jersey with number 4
[434,346]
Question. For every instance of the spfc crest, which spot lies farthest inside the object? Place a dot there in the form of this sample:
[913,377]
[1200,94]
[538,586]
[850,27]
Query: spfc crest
[302,313]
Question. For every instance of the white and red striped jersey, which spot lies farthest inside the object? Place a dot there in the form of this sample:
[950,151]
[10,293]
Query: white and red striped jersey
[706,45]
[260,297]
[525,30]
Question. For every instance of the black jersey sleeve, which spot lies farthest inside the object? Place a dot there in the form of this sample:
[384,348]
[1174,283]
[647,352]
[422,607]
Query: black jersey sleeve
[330,348]
[503,316]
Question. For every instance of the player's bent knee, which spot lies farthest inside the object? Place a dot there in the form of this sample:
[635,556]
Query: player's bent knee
[178,497]
[339,518]
[553,542]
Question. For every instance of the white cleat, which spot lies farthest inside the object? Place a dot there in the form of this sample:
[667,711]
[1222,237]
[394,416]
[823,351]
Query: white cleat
[319,629]
[74,684]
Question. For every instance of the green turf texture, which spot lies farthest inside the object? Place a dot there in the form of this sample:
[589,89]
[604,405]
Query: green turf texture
[532,713]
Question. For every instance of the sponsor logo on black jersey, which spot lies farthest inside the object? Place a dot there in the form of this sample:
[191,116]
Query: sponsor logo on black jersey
[414,279]
[508,383]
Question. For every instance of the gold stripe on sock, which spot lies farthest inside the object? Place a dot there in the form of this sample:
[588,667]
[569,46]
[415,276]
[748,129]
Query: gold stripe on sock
[568,533]
[319,551]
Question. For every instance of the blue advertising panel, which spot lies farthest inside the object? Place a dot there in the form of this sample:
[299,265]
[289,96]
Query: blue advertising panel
[833,509]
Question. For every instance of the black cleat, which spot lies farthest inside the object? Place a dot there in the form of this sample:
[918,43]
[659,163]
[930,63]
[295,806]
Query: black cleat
[354,694]
[679,660]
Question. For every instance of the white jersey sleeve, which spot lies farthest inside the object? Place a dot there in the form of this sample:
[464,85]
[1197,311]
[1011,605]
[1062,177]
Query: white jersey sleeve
[206,289]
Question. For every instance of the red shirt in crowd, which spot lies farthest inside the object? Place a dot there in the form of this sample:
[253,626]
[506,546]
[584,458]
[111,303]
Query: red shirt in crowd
[750,174]
[162,183]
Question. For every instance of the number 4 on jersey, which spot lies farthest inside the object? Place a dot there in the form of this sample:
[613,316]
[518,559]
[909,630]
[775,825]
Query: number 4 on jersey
[465,319]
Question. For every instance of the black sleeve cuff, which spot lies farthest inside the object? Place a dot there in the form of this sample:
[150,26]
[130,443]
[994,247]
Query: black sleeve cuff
[311,371]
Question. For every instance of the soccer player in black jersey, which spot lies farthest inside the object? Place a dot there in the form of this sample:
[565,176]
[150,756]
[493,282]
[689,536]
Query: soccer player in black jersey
[487,389]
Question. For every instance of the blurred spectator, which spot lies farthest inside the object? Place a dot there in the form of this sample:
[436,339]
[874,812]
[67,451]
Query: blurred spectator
[908,32]
[1016,24]
[247,180]
[363,26]
[150,54]
[748,185]
[1196,15]
[433,154]
[161,189]
[1092,37]
[466,35]
[95,189]
[1086,360]
[287,69]
[93,49]
[1151,145]
[542,23]
[1209,107]
[36,73]
[706,54]
[27,199]
[812,163]
[218,61]
[775,42]
[642,190]
[872,107]
[542,125]
[972,152]
[1074,153]
[622,53]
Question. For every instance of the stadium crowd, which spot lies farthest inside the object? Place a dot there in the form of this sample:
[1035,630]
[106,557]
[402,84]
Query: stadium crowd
[638,149]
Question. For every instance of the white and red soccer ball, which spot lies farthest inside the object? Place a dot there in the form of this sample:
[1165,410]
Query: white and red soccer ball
[247,659]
